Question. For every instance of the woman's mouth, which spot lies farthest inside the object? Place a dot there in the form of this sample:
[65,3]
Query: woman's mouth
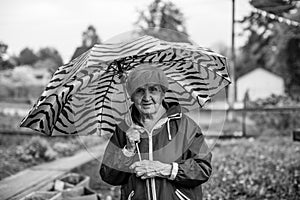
[146,104]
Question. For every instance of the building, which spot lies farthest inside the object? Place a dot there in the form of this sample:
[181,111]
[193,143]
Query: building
[23,82]
[259,83]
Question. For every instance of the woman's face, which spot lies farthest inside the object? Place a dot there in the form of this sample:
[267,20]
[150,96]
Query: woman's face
[148,98]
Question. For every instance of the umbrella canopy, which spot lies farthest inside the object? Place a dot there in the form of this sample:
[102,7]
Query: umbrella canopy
[87,97]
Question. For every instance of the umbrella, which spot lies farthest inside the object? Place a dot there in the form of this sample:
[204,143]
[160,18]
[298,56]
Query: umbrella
[86,96]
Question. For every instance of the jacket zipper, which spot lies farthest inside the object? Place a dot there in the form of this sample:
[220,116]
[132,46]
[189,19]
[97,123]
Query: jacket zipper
[152,180]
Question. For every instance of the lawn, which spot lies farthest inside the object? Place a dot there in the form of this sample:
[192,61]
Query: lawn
[246,168]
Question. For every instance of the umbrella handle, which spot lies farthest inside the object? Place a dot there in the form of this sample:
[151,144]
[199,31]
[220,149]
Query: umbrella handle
[148,188]
[147,180]
[138,151]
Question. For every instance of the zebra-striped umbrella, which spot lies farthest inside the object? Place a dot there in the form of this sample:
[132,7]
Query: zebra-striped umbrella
[86,96]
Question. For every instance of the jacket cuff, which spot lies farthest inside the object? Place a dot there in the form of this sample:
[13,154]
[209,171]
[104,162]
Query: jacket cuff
[174,171]
[127,153]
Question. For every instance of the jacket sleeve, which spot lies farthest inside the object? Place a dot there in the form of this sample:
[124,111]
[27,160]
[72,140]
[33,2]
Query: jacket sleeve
[115,165]
[194,167]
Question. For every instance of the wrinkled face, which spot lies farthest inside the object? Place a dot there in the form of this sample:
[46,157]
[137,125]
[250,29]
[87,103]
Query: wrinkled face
[148,98]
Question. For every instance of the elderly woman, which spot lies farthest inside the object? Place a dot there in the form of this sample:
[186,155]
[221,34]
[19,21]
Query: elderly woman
[162,155]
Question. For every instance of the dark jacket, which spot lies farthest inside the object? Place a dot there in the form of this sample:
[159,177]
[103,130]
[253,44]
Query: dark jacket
[175,138]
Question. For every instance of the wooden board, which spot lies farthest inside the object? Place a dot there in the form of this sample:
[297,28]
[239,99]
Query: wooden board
[42,176]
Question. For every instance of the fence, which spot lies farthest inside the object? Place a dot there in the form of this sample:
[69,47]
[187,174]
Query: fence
[293,110]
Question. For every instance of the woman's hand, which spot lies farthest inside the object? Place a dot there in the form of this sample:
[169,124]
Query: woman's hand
[133,135]
[149,169]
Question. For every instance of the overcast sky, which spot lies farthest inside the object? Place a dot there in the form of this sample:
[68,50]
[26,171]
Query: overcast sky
[60,23]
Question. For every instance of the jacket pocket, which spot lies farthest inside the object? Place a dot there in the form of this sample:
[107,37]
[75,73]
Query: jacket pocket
[130,195]
[180,195]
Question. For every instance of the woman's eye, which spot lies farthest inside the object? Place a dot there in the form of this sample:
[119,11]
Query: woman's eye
[139,91]
[153,89]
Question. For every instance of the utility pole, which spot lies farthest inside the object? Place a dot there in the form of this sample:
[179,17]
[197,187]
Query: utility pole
[232,86]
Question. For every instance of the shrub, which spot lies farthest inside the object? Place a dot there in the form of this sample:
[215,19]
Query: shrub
[36,149]
[65,149]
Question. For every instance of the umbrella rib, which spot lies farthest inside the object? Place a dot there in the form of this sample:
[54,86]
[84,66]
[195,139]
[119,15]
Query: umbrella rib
[103,100]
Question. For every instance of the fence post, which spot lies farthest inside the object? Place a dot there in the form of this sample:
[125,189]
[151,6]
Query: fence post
[244,121]
[296,134]
[244,112]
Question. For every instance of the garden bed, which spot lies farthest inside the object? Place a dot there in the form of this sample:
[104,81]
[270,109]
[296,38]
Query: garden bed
[262,168]
[21,151]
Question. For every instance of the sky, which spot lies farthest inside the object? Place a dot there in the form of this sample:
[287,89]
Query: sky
[60,23]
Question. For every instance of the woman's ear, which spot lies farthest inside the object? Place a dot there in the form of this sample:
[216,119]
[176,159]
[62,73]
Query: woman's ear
[164,90]
[163,94]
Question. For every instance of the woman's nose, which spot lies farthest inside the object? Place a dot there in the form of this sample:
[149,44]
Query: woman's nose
[147,95]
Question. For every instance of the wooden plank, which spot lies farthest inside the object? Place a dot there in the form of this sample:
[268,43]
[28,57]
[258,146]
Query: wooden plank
[40,177]
[26,182]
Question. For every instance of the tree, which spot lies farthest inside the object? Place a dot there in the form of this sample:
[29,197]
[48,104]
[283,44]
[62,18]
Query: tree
[27,57]
[163,20]
[286,54]
[269,41]
[48,64]
[89,39]
[5,61]
[49,58]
